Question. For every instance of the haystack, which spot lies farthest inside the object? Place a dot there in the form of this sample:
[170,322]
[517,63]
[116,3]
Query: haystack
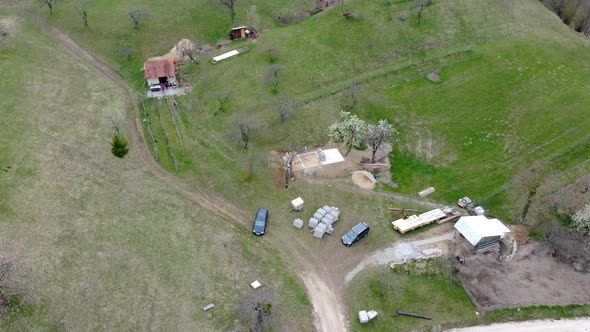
[364,179]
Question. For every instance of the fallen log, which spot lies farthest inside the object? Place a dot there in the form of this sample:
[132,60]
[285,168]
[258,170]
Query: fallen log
[405,313]
[404,209]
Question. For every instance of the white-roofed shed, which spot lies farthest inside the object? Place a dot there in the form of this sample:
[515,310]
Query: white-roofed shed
[479,230]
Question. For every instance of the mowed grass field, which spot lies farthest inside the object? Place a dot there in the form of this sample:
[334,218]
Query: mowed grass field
[94,242]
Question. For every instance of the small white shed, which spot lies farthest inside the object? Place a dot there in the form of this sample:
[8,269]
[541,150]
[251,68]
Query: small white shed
[479,230]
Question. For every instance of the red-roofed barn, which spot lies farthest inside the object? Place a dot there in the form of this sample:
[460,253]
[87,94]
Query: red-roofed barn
[157,72]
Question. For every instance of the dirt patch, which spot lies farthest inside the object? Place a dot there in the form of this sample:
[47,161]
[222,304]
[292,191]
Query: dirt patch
[534,276]
[8,29]
[520,234]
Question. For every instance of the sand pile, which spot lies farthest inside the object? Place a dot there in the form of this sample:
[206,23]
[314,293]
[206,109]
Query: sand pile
[179,52]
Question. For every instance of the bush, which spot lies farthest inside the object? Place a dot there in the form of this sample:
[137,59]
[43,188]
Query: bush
[119,147]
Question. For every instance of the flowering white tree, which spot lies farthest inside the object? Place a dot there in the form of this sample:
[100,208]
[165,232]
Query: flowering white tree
[581,220]
[377,135]
[349,130]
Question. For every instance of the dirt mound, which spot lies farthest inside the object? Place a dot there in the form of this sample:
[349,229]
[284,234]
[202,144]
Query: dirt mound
[180,52]
[519,233]
[7,29]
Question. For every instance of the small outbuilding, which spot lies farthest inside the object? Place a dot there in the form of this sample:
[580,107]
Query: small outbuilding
[480,231]
[239,32]
[158,72]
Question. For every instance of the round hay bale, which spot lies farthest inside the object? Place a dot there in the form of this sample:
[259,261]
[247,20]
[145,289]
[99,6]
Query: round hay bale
[364,179]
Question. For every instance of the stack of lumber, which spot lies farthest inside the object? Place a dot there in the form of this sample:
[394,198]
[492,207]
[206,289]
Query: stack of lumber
[416,221]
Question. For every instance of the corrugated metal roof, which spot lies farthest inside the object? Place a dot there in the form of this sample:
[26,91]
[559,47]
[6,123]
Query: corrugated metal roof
[475,228]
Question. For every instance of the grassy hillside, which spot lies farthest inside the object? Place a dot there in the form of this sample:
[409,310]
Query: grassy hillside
[513,92]
[94,243]
[162,26]
[512,89]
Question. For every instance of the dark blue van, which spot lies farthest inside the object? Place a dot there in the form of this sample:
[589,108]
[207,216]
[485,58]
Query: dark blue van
[260,222]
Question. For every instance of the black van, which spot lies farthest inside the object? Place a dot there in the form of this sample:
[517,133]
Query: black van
[356,233]
[260,221]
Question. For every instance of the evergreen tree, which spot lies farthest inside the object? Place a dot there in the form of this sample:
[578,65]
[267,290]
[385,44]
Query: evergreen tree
[119,147]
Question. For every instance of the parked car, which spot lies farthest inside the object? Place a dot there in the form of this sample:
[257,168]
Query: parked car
[356,233]
[260,221]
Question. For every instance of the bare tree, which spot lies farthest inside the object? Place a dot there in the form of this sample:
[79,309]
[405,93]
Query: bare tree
[253,19]
[189,51]
[272,77]
[288,167]
[247,126]
[377,135]
[136,15]
[353,97]
[81,9]
[221,97]
[421,5]
[285,106]
[255,310]
[49,4]
[231,6]
[127,51]
[251,162]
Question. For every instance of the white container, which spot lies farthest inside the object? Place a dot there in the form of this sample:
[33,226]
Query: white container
[298,223]
[363,317]
[313,222]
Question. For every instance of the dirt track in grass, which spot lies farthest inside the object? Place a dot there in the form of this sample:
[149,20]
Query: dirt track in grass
[324,290]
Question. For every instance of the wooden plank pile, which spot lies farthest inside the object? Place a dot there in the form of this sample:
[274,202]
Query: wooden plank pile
[415,221]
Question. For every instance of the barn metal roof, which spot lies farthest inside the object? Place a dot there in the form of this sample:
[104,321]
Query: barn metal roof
[475,228]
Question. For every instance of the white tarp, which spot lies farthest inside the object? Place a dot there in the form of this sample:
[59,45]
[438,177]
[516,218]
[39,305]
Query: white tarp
[475,228]
[332,156]
[297,203]
[225,56]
